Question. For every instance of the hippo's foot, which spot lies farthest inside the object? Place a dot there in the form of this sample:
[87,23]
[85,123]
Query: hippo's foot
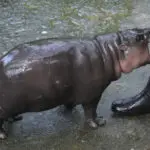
[91,117]
[101,121]
[91,123]
[94,124]
[3,134]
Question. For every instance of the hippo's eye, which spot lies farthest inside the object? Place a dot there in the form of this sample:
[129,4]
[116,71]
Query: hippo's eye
[140,37]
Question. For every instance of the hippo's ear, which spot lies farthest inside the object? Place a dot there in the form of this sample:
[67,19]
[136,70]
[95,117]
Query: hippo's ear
[124,49]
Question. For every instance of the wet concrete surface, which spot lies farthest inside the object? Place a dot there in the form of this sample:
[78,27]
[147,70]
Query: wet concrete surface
[57,130]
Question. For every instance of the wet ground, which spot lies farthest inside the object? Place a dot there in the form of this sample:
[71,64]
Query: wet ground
[26,20]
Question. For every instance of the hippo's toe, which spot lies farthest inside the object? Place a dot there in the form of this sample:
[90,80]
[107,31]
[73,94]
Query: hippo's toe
[101,121]
[92,124]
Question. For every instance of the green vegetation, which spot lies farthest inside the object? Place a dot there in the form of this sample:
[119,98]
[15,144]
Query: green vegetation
[83,17]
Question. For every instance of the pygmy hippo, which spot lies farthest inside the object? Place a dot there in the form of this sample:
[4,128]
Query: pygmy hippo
[43,74]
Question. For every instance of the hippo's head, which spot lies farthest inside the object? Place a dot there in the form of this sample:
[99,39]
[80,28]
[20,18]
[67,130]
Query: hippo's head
[134,50]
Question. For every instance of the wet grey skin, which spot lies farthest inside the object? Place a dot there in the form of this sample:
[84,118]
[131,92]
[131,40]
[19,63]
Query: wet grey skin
[133,106]
[40,75]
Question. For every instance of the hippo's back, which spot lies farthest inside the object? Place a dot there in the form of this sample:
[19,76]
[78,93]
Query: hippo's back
[40,73]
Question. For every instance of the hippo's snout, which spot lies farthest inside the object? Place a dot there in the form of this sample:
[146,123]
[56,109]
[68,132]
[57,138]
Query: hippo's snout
[145,35]
[135,48]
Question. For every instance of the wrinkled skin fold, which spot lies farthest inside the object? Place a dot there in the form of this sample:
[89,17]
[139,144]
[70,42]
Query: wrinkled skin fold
[43,74]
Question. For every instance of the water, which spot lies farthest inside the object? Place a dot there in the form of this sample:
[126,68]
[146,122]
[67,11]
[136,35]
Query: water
[23,21]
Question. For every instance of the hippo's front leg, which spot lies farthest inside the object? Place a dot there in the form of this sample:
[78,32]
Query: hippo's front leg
[91,116]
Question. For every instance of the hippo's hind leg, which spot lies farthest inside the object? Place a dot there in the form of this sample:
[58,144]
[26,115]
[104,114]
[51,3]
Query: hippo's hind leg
[3,134]
[91,116]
